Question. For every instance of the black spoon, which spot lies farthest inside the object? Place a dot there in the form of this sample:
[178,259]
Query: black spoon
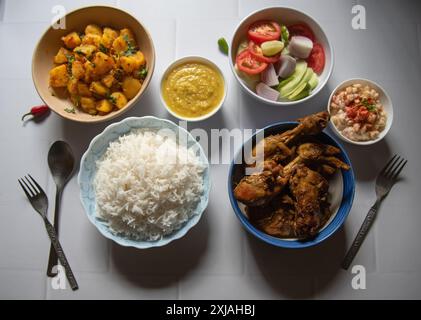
[61,163]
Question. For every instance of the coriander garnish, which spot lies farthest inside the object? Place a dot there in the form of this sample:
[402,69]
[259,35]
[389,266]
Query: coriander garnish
[142,73]
[102,48]
[370,106]
[70,110]
[131,49]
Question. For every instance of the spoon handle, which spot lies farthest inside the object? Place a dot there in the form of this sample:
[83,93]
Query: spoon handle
[53,258]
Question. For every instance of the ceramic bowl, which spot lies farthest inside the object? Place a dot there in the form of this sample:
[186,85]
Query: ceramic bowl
[87,172]
[50,43]
[285,16]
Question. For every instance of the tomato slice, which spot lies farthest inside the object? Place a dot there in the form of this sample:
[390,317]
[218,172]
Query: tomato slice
[264,30]
[316,60]
[301,29]
[249,64]
[257,53]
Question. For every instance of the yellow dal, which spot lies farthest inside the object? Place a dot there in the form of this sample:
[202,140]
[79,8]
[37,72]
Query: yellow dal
[193,89]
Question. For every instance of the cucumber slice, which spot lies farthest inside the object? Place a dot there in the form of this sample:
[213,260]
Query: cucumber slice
[304,93]
[314,81]
[298,74]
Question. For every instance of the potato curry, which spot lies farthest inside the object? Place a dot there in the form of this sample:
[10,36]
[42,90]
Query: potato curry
[101,69]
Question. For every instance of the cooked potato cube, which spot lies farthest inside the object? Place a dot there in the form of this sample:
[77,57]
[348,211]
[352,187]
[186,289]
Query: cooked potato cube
[108,80]
[120,45]
[102,63]
[89,71]
[92,39]
[108,37]
[132,63]
[104,106]
[72,86]
[127,33]
[83,90]
[61,56]
[59,76]
[131,87]
[140,58]
[87,103]
[75,100]
[86,50]
[128,64]
[93,29]
[72,40]
[78,72]
[118,99]
[99,89]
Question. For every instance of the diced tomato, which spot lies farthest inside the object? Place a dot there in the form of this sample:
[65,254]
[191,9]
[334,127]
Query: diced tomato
[249,64]
[262,31]
[363,114]
[301,29]
[256,52]
[316,60]
[351,112]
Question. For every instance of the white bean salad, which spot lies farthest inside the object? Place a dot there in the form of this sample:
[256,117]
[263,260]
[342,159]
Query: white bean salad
[357,113]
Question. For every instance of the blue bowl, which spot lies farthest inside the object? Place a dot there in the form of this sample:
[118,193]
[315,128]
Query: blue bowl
[346,197]
[87,172]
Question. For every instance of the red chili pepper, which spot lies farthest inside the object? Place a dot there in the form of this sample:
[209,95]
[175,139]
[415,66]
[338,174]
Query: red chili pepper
[37,111]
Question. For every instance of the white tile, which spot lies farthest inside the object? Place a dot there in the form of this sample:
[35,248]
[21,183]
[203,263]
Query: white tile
[85,248]
[163,33]
[378,286]
[245,287]
[385,11]
[214,246]
[325,258]
[24,241]
[320,9]
[199,37]
[144,9]
[22,284]
[116,287]
[11,44]
[35,11]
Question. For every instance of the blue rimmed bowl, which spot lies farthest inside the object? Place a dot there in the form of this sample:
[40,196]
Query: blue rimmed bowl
[97,148]
[341,192]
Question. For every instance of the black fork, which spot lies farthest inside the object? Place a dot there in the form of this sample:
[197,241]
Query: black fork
[384,183]
[39,202]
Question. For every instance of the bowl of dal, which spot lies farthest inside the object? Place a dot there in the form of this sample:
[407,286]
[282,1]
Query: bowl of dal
[193,88]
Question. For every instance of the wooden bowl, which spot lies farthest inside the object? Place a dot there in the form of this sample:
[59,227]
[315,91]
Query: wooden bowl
[77,20]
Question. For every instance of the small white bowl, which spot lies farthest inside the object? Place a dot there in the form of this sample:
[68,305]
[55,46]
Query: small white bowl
[384,100]
[286,16]
[192,59]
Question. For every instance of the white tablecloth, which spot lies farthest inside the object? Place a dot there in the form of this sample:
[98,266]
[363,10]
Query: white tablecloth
[217,259]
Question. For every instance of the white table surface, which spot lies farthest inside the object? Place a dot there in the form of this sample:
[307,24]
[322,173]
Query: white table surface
[217,259]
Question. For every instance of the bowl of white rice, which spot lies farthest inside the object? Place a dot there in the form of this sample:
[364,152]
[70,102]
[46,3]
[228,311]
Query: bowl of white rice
[144,182]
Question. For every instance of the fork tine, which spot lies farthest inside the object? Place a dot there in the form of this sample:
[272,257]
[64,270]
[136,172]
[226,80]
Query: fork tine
[33,187]
[399,169]
[24,189]
[393,167]
[386,167]
[30,190]
[36,183]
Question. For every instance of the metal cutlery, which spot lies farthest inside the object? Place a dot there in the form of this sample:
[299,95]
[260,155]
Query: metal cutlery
[61,163]
[384,183]
[39,202]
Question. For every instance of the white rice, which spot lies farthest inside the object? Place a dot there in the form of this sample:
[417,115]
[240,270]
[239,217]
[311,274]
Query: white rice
[147,186]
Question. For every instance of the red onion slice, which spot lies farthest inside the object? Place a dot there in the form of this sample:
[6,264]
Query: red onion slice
[269,76]
[286,66]
[264,91]
[300,47]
